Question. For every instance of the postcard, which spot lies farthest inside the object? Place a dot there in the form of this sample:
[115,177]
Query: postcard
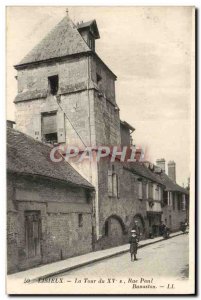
[100,150]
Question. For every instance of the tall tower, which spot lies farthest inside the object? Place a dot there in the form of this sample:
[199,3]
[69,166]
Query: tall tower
[64,66]
[66,94]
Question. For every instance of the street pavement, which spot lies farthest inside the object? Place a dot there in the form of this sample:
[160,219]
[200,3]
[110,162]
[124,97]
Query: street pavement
[168,258]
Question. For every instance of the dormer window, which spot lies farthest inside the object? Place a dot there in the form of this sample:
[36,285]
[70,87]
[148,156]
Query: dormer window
[89,32]
[53,82]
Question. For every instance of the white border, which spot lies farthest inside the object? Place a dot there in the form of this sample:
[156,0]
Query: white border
[3,5]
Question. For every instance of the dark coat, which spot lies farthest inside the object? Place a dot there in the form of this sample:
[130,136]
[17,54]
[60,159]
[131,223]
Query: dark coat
[133,244]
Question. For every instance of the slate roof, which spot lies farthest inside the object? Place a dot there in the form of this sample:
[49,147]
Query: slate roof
[64,39]
[165,179]
[170,185]
[25,155]
[140,169]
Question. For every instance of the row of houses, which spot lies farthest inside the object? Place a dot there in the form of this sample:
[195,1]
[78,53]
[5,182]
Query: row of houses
[66,96]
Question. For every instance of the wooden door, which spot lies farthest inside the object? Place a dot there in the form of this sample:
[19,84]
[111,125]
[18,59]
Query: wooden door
[33,233]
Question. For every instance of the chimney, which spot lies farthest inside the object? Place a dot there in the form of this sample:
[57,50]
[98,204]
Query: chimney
[10,123]
[172,170]
[161,164]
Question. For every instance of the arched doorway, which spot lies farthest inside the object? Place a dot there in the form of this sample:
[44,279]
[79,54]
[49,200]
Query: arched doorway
[114,231]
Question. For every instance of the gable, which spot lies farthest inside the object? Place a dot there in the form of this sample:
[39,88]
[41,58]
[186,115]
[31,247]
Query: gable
[64,39]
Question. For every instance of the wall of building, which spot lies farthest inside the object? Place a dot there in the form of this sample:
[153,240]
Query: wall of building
[172,216]
[76,100]
[107,123]
[107,84]
[121,210]
[59,206]
[125,136]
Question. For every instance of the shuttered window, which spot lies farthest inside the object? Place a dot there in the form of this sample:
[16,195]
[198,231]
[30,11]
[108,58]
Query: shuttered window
[147,190]
[156,192]
[49,123]
[140,189]
[150,190]
[170,197]
[113,184]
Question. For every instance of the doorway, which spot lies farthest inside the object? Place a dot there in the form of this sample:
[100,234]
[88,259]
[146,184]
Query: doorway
[33,234]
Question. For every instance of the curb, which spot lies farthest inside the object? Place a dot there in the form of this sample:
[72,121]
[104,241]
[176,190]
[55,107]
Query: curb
[67,269]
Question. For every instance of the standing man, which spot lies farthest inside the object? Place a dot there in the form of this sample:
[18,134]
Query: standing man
[133,244]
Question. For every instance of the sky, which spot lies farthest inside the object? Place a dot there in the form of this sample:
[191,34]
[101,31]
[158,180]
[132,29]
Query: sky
[150,49]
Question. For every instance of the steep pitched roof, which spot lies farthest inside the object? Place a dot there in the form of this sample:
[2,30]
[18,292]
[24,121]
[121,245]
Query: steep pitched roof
[25,155]
[165,179]
[170,185]
[140,169]
[64,39]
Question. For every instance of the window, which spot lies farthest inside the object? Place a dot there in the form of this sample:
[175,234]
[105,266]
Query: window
[170,198]
[113,183]
[183,202]
[107,228]
[91,43]
[140,190]
[150,191]
[165,198]
[173,201]
[53,82]
[147,190]
[49,127]
[98,80]
[179,202]
[156,192]
[80,220]
[160,193]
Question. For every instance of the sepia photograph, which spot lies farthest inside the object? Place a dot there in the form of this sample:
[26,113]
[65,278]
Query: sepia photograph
[100,115]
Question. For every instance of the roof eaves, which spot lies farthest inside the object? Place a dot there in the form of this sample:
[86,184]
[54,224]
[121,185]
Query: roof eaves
[34,63]
[91,187]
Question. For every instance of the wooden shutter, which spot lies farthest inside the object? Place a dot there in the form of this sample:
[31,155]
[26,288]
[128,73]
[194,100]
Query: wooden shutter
[49,123]
[118,186]
[110,183]
[140,189]
[37,127]
[61,133]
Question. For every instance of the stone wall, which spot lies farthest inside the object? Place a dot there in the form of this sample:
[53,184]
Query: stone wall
[173,216]
[59,206]
[122,209]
